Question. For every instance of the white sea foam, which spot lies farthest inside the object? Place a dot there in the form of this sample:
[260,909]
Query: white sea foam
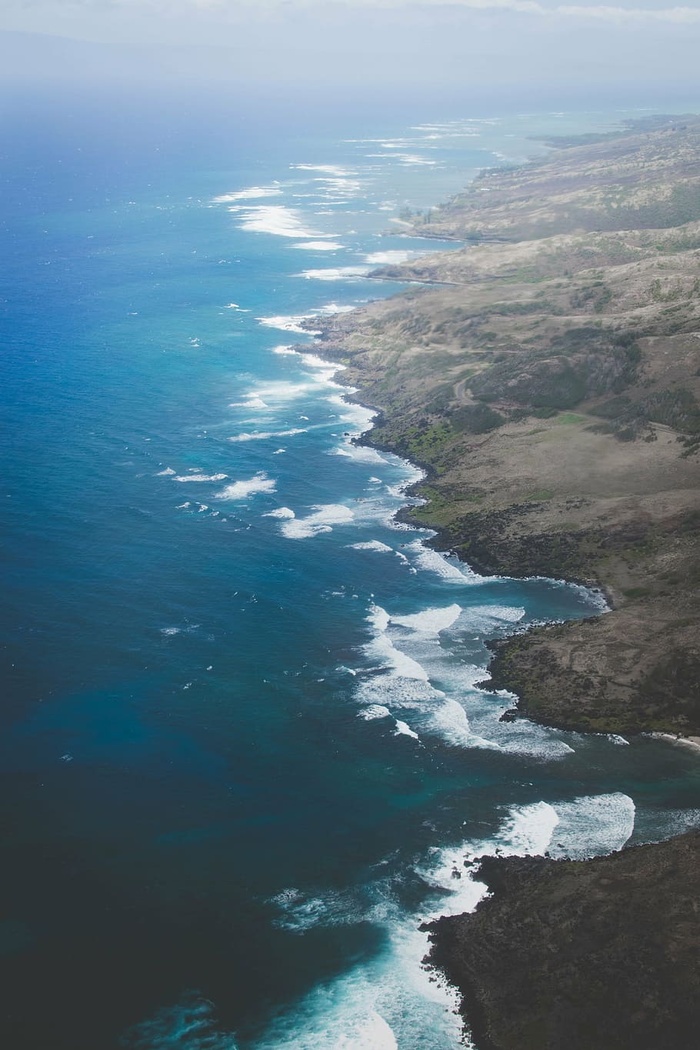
[405,662]
[283,513]
[388,1002]
[323,518]
[337,308]
[417,1009]
[338,190]
[450,722]
[321,246]
[400,665]
[382,650]
[527,831]
[373,545]
[252,193]
[379,618]
[165,473]
[182,478]
[430,621]
[275,219]
[326,169]
[448,570]
[242,489]
[593,597]
[252,401]
[314,361]
[411,160]
[373,712]
[388,258]
[524,738]
[339,1017]
[356,416]
[261,435]
[372,1033]
[402,729]
[340,273]
[280,391]
[664,823]
[360,453]
[593,825]
[288,323]
[488,618]
[301,912]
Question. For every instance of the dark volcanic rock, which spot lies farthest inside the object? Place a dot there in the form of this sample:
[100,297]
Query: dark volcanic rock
[583,955]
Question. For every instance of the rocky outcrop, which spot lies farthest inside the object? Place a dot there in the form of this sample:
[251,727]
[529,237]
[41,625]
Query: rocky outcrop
[581,954]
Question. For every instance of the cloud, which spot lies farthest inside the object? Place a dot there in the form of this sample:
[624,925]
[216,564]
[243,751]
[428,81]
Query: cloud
[606,13]
[616,13]
[641,12]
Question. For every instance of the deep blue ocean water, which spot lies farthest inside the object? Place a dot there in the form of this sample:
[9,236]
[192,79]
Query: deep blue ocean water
[243,753]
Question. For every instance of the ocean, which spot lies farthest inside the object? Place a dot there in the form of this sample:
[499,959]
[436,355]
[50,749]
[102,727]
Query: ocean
[244,753]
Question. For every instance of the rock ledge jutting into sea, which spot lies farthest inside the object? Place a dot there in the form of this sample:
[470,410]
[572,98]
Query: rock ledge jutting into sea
[581,954]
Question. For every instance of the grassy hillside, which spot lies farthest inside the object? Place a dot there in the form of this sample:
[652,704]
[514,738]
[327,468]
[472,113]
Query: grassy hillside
[548,378]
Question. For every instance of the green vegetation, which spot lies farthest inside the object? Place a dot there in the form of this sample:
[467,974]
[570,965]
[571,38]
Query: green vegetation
[674,407]
[581,363]
[476,419]
[571,312]
[567,419]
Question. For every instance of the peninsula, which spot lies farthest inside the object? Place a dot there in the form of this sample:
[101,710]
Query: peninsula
[546,374]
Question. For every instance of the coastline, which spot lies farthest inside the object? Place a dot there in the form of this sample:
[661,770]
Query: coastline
[693,742]
[545,961]
[559,443]
[541,396]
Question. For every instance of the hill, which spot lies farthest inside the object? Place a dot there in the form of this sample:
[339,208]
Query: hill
[548,379]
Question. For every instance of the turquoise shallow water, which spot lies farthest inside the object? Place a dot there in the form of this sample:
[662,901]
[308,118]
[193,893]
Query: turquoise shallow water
[243,749]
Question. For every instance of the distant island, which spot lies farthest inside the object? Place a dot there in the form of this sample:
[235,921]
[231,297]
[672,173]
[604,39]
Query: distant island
[547,376]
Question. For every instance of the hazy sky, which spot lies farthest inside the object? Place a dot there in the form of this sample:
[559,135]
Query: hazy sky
[178,20]
[465,41]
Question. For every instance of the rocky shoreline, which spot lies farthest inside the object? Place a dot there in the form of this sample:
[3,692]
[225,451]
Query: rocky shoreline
[547,378]
[598,953]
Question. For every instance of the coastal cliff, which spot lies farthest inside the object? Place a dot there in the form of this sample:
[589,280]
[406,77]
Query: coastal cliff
[548,380]
[547,377]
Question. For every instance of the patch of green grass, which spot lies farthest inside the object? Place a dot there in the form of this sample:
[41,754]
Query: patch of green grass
[567,419]
[425,442]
